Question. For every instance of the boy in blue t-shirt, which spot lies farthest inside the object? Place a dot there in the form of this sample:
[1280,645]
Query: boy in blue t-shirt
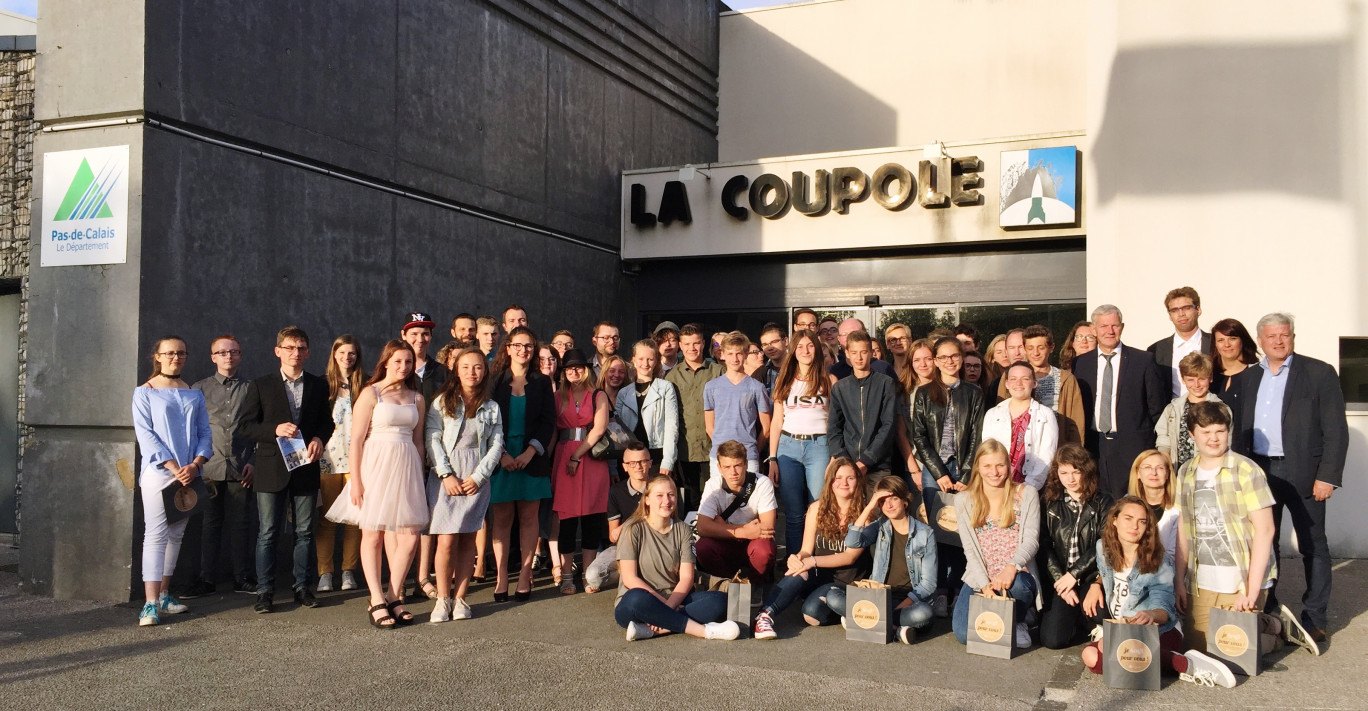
[735,407]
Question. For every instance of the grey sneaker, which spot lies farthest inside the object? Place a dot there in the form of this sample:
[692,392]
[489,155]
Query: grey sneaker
[940,607]
[325,582]
[1206,670]
[441,612]
[1294,633]
[170,605]
[1023,636]
[349,580]
[727,630]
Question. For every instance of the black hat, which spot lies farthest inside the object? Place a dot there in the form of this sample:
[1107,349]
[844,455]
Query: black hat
[574,358]
[417,318]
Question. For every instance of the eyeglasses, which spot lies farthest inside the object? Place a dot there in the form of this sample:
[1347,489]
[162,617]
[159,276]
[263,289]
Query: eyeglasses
[949,358]
[521,347]
[1085,339]
[173,354]
[227,353]
[640,464]
[1182,309]
[293,349]
[829,329]
[895,340]
[608,338]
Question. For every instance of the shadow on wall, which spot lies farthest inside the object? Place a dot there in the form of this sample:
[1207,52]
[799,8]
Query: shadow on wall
[1206,119]
[776,129]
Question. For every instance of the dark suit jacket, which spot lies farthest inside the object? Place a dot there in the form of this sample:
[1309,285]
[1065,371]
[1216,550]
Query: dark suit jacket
[1162,352]
[540,420]
[1315,433]
[266,406]
[1140,396]
[433,376]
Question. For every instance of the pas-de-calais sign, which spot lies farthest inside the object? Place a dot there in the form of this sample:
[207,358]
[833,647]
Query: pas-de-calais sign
[85,207]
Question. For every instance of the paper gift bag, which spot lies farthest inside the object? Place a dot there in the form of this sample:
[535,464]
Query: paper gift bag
[740,595]
[992,625]
[1234,637]
[869,613]
[184,501]
[1130,655]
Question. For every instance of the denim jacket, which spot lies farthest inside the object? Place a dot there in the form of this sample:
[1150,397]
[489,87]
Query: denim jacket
[1148,591]
[920,552]
[444,432]
[660,409]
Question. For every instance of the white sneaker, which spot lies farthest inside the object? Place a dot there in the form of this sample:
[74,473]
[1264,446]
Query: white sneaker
[1205,670]
[460,610]
[170,605]
[1096,634]
[325,582]
[441,612]
[148,616]
[843,623]
[907,635]
[727,630]
[1023,636]
[637,630]
[349,580]
[940,607]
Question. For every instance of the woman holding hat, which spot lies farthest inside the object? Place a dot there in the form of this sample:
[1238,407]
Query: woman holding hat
[527,409]
[581,482]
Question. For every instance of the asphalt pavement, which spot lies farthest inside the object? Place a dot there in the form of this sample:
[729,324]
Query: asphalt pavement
[565,652]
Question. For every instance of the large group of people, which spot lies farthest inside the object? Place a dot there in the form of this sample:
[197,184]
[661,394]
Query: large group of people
[1111,482]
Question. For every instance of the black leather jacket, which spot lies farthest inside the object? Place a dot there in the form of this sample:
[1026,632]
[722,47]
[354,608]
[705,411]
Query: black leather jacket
[1057,525]
[966,402]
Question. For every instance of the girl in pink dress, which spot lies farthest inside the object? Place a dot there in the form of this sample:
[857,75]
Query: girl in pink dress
[580,482]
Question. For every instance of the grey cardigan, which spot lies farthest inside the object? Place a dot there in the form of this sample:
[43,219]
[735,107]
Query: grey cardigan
[975,572]
[1169,429]
[442,434]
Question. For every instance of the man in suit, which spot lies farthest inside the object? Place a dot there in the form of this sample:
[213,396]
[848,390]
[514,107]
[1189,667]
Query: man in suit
[1184,308]
[1123,397]
[293,404]
[1294,427]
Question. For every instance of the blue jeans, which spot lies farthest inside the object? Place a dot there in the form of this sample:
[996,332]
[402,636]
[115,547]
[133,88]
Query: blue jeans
[815,586]
[1023,590]
[802,471]
[643,607]
[270,512]
[917,615]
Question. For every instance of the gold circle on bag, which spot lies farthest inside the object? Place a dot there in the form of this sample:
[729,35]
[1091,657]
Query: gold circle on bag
[1133,655]
[947,519]
[865,614]
[988,626]
[185,499]
[1231,640]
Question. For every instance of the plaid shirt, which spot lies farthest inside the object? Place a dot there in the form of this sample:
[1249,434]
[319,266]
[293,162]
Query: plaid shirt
[1241,488]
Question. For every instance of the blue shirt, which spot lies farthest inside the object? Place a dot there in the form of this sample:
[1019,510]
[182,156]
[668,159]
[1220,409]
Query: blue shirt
[736,411]
[1268,409]
[171,424]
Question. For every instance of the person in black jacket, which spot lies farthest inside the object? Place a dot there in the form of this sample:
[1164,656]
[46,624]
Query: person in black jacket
[946,424]
[294,404]
[417,333]
[862,415]
[1073,512]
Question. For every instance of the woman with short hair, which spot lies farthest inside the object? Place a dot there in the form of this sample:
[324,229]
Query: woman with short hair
[580,481]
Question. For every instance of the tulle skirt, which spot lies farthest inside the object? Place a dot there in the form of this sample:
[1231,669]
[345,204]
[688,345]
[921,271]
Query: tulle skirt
[393,498]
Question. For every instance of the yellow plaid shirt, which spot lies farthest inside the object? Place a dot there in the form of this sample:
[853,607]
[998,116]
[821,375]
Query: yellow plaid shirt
[1241,488]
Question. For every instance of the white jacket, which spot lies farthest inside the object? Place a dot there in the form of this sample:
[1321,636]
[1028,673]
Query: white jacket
[1042,438]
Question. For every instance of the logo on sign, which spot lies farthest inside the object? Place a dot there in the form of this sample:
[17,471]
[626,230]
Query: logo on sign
[865,614]
[87,196]
[989,627]
[1133,655]
[1231,640]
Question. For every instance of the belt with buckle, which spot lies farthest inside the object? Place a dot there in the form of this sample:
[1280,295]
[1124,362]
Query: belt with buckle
[803,437]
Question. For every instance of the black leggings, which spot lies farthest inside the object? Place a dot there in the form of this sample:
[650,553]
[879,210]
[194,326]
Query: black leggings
[593,530]
[1063,623]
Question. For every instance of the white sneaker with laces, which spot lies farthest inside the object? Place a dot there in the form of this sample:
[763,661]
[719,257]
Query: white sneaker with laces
[170,605]
[148,616]
[940,607]
[349,580]
[727,630]
[325,582]
[1294,632]
[843,623]
[637,630]
[764,626]
[1023,636]
[907,635]
[460,610]
[441,612]
[1206,670]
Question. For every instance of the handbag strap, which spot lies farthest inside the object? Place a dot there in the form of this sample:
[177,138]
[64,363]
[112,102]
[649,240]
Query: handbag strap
[742,498]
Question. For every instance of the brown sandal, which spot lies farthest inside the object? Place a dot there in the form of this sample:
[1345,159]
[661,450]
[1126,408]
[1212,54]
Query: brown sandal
[379,622]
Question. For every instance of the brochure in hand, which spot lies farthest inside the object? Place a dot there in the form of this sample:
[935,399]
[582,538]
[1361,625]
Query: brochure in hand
[293,450]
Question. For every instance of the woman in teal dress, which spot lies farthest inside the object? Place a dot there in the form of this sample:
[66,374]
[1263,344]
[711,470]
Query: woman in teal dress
[523,479]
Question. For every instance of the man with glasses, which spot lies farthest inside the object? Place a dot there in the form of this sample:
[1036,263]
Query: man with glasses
[774,344]
[606,340]
[228,474]
[1184,308]
[562,341]
[293,404]
[827,333]
[1123,397]
[805,320]
[623,498]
